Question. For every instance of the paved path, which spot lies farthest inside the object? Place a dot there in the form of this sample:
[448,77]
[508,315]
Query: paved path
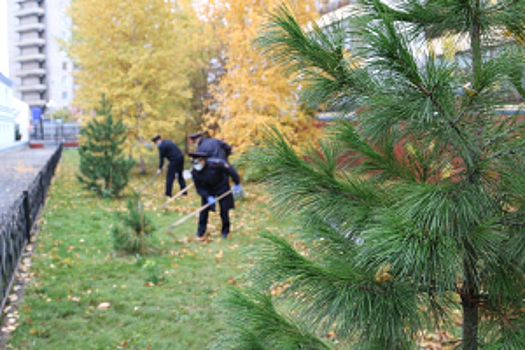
[18,169]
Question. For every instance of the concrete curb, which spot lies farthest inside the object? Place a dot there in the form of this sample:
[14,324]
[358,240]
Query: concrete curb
[14,147]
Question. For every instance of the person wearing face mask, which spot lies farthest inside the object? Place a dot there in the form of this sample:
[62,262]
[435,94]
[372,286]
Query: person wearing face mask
[169,150]
[212,147]
[211,178]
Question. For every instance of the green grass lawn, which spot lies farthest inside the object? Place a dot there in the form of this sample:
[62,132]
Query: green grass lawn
[75,269]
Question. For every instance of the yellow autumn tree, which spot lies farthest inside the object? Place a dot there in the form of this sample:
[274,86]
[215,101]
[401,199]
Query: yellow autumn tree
[252,93]
[140,54]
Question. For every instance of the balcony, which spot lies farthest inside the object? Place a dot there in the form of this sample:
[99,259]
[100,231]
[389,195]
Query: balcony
[34,57]
[38,72]
[36,11]
[35,103]
[32,88]
[31,42]
[30,27]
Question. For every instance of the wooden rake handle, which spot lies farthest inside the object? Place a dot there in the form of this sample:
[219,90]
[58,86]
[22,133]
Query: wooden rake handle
[197,211]
[153,178]
[177,195]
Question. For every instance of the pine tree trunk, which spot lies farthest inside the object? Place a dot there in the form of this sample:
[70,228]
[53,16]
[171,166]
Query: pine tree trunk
[469,292]
[470,301]
[470,322]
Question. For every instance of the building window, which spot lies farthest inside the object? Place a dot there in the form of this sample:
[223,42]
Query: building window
[64,95]
[64,80]
[64,65]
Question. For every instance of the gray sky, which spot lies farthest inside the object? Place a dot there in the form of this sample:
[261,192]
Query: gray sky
[3,38]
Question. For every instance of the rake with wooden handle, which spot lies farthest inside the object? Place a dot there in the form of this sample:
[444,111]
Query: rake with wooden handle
[177,195]
[197,211]
[153,178]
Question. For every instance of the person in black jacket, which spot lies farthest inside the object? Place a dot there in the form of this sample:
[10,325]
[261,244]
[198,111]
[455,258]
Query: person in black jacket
[211,178]
[212,147]
[169,150]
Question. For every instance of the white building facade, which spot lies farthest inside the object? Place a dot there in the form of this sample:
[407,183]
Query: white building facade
[38,66]
[22,119]
[7,112]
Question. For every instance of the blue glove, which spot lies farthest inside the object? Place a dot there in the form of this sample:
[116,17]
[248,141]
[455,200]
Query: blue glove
[237,188]
[211,200]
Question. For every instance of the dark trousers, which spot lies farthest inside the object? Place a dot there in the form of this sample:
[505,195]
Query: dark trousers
[225,218]
[175,168]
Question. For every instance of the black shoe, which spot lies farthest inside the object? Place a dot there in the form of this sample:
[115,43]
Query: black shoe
[225,236]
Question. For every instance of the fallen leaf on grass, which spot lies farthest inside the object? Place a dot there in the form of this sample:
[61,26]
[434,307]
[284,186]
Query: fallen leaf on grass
[218,257]
[103,306]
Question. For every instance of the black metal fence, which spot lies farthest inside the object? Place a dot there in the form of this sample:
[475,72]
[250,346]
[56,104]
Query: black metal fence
[16,227]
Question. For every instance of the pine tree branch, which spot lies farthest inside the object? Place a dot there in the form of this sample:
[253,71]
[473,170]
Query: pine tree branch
[506,153]
[511,223]
[503,134]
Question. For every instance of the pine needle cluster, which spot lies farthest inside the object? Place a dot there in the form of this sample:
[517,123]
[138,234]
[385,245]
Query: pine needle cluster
[411,210]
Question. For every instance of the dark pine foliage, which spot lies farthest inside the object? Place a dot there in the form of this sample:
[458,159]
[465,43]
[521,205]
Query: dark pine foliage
[103,166]
[413,210]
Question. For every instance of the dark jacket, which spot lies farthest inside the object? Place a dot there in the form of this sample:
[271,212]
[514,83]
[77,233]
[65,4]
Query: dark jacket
[213,179]
[214,148]
[169,150]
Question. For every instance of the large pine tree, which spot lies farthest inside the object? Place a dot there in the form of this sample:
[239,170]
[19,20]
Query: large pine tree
[413,210]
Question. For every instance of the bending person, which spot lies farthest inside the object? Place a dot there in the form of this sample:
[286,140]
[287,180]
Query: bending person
[169,150]
[212,147]
[211,178]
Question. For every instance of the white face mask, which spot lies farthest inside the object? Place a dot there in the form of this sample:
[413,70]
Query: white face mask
[198,166]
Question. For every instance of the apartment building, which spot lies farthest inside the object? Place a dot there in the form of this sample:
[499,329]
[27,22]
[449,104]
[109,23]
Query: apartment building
[40,70]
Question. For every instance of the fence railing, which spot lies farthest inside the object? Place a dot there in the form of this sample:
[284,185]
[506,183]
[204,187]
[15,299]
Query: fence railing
[59,132]
[16,226]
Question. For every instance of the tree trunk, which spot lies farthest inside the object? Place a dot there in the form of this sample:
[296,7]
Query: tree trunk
[186,146]
[470,322]
[470,300]
[142,164]
[470,291]
[141,140]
